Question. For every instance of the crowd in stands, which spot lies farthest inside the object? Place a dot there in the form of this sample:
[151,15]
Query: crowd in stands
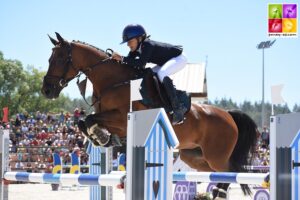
[35,136]
[262,153]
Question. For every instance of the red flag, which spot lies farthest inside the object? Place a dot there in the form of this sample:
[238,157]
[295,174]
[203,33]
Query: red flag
[5,115]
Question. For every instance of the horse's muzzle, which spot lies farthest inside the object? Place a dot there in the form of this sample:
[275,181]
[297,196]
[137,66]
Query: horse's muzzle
[50,91]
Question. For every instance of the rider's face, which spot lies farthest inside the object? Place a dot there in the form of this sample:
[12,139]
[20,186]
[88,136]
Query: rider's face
[133,44]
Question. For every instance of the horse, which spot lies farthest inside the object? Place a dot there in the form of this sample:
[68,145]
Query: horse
[211,139]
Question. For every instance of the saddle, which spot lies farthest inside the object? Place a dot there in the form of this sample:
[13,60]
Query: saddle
[154,94]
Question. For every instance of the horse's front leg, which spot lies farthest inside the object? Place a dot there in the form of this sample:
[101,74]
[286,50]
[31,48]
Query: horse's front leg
[106,128]
[83,128]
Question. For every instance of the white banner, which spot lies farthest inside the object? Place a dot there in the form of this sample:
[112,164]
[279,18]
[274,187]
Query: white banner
[276,94]
[134,90]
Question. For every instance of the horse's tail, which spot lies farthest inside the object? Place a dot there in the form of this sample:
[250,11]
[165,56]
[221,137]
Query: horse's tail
[245,145]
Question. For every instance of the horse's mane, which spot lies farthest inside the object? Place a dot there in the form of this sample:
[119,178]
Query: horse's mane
[133,72]
[92,46]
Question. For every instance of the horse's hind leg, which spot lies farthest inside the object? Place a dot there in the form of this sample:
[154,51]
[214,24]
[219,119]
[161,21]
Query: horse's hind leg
[217,149]
[220,191]
[194,159]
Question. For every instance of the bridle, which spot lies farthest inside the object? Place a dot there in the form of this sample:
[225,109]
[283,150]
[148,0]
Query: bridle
[62,81]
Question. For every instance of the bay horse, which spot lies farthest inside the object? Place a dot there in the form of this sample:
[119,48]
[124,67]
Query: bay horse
[211,139]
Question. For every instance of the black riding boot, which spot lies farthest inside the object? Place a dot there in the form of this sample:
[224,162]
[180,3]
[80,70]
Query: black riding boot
[178,109]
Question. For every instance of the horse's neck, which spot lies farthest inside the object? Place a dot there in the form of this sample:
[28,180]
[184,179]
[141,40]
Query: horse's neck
[109,74]
[105,74]
[86,56]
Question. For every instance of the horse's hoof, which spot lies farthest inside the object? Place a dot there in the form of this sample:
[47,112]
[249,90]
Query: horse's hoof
[215,192]
[219,198]
[115,140]
[101,135]
[222,195]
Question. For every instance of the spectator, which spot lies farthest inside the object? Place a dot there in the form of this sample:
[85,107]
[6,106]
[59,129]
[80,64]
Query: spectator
[265,137]
[76,115]
[29,167]
[38,116]
[24,128]
[82,113]
[18,133]
[31,121]
[18,121]
[67,116]
[61,118]
[80,142]
[19,165]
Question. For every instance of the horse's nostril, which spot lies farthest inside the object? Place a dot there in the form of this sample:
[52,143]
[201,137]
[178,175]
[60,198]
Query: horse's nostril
[47,91]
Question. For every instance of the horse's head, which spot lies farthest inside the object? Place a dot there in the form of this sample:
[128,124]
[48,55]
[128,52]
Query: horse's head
[61,69]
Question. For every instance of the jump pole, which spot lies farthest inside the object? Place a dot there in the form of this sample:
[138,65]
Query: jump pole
[113,179]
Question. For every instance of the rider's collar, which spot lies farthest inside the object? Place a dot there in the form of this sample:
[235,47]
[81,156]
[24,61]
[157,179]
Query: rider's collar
[139,49]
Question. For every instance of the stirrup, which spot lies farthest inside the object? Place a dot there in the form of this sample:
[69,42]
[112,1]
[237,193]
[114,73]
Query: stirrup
[177,123]
[179,112]
[176,120]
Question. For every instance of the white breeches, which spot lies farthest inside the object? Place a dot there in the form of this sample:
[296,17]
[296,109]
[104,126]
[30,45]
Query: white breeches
[171,67]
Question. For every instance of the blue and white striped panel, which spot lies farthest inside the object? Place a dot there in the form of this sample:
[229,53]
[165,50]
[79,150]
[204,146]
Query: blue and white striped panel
[170,134]
[220,177]
[94,157]
[257,168]
[295,171]
[113,179]
[156,152]
[42,177]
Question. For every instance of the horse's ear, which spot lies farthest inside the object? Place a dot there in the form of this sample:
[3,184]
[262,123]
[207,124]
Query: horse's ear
[54,42]
[60,39]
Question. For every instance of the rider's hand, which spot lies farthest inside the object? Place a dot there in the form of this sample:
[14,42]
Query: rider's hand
[116,57]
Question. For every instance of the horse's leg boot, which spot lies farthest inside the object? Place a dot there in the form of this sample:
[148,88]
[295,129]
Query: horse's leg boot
[82,127]
[101,135]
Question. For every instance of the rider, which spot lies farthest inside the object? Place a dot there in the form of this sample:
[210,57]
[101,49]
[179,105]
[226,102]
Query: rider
[168,58]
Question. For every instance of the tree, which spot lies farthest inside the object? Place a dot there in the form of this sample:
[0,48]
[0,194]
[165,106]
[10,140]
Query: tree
[20,89]
[281,109]
[226,104]
[12,76]
[254,110]
[296,108]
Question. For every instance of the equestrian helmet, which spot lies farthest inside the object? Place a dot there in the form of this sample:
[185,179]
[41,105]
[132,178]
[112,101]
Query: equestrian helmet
[133,31]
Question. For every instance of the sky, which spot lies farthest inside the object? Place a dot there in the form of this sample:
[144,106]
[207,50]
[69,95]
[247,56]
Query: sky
[225,33]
